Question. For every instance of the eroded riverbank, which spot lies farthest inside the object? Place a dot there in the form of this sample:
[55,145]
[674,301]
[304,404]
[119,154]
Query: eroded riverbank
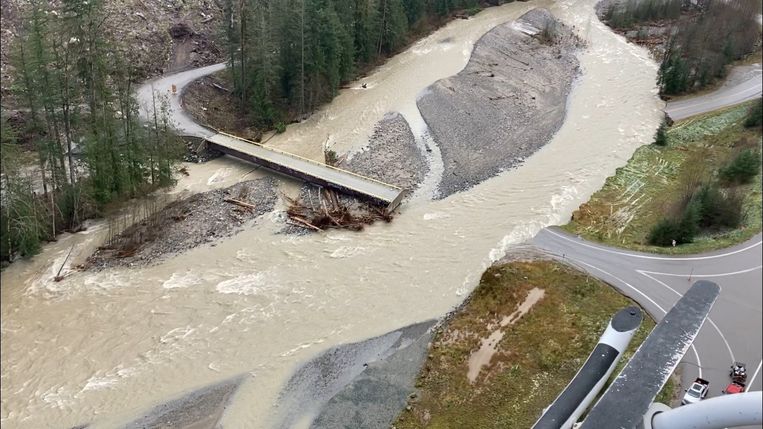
[261,303]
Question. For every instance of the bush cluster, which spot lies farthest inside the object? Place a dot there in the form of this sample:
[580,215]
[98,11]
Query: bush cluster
[633,11]
[692,61]
[708,209]
[743,168]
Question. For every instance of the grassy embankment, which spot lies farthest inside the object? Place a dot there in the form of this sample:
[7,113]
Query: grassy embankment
[655,179]
[536,358]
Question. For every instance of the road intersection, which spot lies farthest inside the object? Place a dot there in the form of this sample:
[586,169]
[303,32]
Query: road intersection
[733,328]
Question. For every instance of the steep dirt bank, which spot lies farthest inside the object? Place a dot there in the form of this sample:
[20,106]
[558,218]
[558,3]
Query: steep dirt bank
[209,101]
[507,103]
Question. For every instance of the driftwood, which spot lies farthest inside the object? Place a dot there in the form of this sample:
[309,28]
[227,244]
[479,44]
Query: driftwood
[332,212]
[240,203]
[58,276]
[304,222]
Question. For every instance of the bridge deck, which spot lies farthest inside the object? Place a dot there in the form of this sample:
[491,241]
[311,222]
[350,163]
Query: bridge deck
[308,170]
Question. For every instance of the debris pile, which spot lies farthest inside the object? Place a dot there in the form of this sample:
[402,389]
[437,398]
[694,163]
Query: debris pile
[322,209]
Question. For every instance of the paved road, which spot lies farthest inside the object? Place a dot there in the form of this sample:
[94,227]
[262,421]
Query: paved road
[733,329]
[154,92]
[742,84]
[181,121]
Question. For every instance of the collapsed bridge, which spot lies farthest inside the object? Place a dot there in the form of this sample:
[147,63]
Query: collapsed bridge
[308,170]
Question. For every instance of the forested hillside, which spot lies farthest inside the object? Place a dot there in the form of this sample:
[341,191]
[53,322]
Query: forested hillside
[289,56]
[81,122]
[695,40]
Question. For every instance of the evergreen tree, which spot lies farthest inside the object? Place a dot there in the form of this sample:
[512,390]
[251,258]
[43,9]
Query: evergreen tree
[63,60]
[661,136]
[743,168]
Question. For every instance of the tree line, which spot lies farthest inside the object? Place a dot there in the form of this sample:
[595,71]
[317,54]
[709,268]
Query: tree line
[81,124]
[287,57]
[704,36]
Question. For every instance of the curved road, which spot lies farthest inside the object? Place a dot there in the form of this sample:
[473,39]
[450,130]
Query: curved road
[733,328]
[742,84]
[183,123]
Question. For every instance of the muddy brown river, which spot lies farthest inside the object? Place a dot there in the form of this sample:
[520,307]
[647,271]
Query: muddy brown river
[102,347]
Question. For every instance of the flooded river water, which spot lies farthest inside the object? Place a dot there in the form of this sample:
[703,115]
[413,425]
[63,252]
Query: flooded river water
[102,347]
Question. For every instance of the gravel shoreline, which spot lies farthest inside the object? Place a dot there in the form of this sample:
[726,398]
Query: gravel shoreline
[191,222]
[358,385]
[391,156]
[507,103]
[201,408]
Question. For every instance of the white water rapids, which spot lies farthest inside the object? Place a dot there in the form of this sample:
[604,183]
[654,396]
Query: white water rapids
[102,347]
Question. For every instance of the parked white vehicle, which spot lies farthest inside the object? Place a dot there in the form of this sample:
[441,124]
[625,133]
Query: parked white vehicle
[696,392]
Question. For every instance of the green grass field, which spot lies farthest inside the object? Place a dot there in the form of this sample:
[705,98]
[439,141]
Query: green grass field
[650,186]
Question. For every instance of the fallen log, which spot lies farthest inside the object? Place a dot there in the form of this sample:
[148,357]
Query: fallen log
[220,87]
[240,203]
[304,222]
[58,276]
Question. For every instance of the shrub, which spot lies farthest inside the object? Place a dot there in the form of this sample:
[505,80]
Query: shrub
[473,10]
[743,168]
[280,127]
[719,209]
[330,157]
[755,116]
[683,230]
[664,233]
[689,224]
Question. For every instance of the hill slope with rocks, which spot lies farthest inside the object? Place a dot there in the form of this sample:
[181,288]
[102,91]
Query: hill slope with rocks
[162,35]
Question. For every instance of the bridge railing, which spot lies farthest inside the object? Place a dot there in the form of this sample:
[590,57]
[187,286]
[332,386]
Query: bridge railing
[370,179]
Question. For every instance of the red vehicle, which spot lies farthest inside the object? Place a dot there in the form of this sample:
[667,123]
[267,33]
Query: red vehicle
[734,387]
